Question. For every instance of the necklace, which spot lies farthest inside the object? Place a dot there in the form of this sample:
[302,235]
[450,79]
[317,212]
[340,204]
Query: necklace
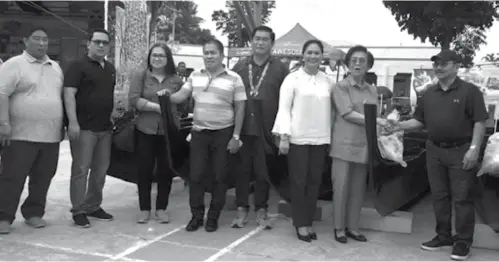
[254,89]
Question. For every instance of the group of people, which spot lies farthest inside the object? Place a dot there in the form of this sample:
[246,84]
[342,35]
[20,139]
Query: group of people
[255,109]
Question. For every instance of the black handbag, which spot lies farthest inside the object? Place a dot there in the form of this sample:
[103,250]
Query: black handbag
[124,132]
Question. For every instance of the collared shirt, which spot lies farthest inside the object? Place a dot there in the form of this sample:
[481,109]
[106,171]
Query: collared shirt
[214,98]
[349,140]
[305,108]
[263,107]
[449,115]
[95,92]
[34,89]
[143,88]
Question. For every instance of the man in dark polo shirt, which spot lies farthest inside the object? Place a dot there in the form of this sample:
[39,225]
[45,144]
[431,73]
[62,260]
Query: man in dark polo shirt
[89,100]
[262,76]
[454,114]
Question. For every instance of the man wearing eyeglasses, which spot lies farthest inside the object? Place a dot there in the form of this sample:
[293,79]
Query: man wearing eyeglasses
[89,101]
[453,112]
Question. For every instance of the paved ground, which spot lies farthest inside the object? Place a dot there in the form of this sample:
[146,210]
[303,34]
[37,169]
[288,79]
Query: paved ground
[123,239]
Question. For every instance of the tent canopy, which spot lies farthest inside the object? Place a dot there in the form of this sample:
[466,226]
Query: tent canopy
[290,44]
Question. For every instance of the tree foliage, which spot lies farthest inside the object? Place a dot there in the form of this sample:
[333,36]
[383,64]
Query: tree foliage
[492,58]
[186,23]
[441,22]
[227,22]
[467,43]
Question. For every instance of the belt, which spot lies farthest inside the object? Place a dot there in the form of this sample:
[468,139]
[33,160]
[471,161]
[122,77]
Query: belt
[451,144]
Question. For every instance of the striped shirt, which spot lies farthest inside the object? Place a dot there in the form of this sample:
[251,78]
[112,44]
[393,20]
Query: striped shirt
[214,98]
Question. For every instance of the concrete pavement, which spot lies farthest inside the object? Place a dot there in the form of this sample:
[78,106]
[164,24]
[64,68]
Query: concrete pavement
[124,240]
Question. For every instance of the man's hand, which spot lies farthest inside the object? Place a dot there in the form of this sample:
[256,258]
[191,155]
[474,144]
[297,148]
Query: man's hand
[73,131]
[284,146]
[470,158]
[164,92]
[5,134]
[234,145]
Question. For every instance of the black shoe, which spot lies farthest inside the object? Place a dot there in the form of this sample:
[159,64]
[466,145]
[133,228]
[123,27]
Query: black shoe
[194,224]
[436,243]
[460,251]
[101,215]
[305,238]
[211,225]
[342,239]
[359,237]
[313,236]
[81,220]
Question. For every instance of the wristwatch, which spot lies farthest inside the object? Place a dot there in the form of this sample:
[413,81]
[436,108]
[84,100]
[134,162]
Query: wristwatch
[236,137]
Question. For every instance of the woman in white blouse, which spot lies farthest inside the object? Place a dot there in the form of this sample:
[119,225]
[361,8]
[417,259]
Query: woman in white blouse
[303,123]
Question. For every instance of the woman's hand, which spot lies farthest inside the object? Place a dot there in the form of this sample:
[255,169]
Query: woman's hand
[284,146]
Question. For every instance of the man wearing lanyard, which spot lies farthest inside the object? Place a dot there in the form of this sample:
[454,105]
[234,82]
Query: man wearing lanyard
[454,114]
[218,117]
[262,75]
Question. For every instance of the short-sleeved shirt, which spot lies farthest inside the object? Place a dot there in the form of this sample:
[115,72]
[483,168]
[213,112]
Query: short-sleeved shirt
[349,140]
[144,88]
[34,90]
[261,108]
[449,115]
[95,92]
[214,98]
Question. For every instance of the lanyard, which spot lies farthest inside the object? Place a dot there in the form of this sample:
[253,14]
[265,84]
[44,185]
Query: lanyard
[254,89]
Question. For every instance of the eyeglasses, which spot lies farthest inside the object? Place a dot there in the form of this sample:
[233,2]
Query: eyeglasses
[100,42]
[158,56]
[360,61]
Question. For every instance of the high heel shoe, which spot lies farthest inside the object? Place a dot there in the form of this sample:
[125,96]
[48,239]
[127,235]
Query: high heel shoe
[357,237]
[313,236]
[305,238]
[342,239]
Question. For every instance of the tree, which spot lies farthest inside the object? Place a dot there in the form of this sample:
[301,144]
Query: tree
[492,58]
[446,24]
[467,43]
[231,26]
[177,21]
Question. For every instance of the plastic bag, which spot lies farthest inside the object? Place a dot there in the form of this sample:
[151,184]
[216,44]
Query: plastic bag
[490,163]
[391,146]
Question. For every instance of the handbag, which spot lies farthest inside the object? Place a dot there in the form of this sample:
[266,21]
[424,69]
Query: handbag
[124,128]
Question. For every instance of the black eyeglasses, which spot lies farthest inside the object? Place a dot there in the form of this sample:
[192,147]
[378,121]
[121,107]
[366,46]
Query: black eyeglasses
[100,42]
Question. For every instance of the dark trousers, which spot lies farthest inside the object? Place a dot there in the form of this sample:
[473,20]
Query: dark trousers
[306,166]
[251,159]
[151,149]
[448,180]
[20,159]
[209,149]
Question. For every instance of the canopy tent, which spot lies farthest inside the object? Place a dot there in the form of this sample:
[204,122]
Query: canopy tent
[289,44]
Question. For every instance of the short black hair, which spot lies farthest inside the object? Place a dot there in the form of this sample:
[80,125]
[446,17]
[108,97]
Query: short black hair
[217,43]
[181,63]
[264,29]
[34,29]
[313,41]
[98,30]
[359,48]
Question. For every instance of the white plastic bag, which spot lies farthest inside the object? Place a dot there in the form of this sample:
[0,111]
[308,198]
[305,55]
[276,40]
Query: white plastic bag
[490,163]
[391,146]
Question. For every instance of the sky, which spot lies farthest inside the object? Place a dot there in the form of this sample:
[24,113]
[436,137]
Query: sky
[341,21]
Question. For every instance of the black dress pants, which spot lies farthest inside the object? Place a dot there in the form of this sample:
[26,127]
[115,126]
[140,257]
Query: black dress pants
[306,166]
[209,149]
[151,149]
[19,160]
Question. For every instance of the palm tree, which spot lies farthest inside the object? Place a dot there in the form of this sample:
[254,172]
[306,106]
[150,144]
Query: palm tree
[492,58]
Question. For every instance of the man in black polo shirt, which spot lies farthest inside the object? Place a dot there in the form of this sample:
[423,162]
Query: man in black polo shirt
[454,114]
[262,76]
[89,100]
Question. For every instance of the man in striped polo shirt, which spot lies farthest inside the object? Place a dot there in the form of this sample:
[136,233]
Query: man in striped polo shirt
[219,100]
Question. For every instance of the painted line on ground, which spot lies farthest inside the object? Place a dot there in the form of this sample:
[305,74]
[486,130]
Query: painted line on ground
[234,244]
[64,249]
[143,244]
